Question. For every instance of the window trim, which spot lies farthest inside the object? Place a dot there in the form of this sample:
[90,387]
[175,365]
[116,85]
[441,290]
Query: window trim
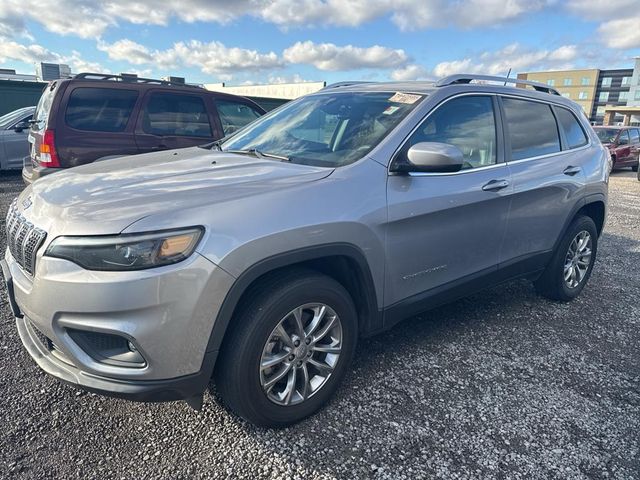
[500,138]
[552,104]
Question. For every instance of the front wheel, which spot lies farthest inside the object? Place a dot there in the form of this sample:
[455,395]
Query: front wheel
[289,348]
[572,262]
[635,167]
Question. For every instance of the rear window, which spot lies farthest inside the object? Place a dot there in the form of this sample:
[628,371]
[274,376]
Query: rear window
[532,128]
[170,114]
[235,115]
[100,109]
[573,132]
[635,136]
[44,104]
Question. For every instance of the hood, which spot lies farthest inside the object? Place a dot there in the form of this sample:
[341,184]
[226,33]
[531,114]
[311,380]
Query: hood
[107,196]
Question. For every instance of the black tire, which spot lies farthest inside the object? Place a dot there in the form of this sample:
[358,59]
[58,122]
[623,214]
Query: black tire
[551,283]
[237,374]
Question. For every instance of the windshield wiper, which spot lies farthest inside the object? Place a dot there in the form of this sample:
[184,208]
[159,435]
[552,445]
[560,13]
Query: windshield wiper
[211,145]
[258,154]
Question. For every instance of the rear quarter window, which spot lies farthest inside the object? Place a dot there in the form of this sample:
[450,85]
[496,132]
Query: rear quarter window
[573,132]
[100,109]
[532,128]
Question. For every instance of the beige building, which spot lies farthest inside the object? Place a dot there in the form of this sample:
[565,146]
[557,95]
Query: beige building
[578,85]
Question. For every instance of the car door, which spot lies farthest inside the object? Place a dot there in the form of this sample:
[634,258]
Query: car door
[445,229]
[14,146]
[547,170]
[634,134]
[170,120]
[624,154]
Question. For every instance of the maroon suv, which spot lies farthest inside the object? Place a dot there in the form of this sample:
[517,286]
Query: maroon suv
[95,116]
[623,144]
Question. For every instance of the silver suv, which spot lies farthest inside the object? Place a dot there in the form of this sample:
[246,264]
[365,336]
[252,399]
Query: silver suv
[259,260]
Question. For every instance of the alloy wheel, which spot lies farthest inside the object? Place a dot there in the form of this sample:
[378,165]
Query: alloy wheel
[300,354]
[578,259]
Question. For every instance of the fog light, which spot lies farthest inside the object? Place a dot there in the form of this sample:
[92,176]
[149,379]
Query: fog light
[108,348]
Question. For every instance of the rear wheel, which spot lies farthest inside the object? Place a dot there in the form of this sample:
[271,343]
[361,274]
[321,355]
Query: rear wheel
[572,262]
[289,349]
[635,167]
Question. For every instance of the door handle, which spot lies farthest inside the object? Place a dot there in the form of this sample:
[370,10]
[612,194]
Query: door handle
[161,146]
[495,185]
[571,170]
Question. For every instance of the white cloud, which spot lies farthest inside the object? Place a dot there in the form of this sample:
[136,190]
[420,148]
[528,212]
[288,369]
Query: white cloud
[514,57]
[410,72]
[623,33]
[34,53]
[330,57]
[212,58]
[599,9]
[90,18]
[127,50]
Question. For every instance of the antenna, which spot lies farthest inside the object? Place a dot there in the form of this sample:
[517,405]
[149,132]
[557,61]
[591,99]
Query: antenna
[508,75]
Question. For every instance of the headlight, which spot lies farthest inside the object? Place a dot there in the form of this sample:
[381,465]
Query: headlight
[127,252]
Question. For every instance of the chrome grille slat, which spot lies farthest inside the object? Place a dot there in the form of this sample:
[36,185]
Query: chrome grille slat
[23,239]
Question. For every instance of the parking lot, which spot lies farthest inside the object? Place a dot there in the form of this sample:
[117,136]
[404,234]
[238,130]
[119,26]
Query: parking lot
[503,384]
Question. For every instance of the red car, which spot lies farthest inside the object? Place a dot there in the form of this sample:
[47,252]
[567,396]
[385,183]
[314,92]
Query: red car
[623,143]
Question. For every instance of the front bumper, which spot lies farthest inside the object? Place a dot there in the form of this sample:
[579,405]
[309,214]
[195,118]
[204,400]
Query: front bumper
[168,313]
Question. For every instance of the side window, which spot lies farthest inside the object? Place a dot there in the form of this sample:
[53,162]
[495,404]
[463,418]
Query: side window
[173,114]
[573,132]
[635,136]
[99,109]
[235,115]
[465,122]
[623,139]
[532,128]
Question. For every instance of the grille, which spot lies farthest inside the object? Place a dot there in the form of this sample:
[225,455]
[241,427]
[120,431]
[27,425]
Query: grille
[24,239]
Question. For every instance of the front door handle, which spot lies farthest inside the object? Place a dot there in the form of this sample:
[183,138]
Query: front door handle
[495,185]
[571,170]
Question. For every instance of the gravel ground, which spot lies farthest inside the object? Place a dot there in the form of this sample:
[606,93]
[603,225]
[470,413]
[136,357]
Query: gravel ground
[500,385]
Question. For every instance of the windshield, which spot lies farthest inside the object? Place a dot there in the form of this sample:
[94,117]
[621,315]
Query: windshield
[607,135]
[12,117]
[328,130]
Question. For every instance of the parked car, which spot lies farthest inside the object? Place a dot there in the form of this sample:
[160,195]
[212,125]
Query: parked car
[623,144]
[262,259]
[13,137]
[94,116]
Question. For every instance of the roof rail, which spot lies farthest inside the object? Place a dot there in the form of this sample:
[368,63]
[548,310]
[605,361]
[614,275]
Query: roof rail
[345,84]
[130,79]
[468,78]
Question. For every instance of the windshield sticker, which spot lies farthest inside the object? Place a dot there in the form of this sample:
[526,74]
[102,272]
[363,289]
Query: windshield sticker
[408,98]
[390,110]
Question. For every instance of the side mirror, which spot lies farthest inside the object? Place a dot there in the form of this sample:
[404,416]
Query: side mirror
[431,157]
[18,127]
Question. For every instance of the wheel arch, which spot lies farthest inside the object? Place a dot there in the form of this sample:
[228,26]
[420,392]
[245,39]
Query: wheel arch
[343,262]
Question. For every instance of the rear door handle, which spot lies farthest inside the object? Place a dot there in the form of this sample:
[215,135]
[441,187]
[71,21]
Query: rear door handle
[495,185]
[571,170]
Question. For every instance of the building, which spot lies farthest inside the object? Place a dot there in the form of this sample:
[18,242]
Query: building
[52,71]
[10,74]
[578,85]
[269,96]
[613,91]
[606,96]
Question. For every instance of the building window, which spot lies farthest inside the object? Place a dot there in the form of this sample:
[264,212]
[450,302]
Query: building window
[566,95]
[567,82]
[600,111]
[623,97]
[606,81]
[626,81]
[585,81]
[551,82]
[582,96]
[604,97]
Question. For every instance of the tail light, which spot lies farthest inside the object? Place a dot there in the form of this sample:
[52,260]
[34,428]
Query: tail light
[48,154]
